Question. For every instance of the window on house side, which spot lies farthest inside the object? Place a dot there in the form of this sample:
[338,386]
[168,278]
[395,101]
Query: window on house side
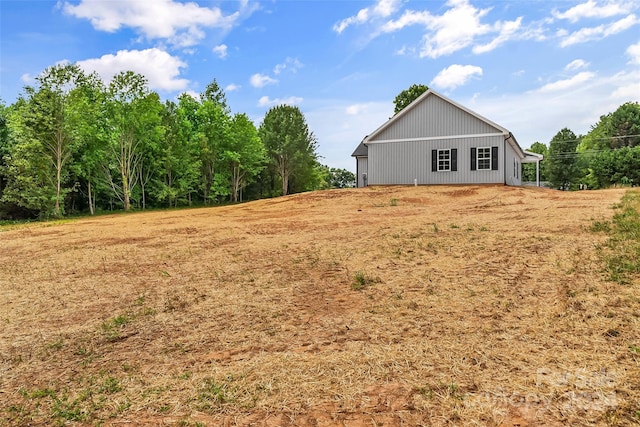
[444,160]
[484,158]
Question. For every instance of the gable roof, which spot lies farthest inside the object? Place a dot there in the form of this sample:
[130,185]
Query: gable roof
[431,93]
[361,150]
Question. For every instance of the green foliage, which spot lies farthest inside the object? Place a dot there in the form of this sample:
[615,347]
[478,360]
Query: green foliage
[610,167]
[362,280]
[341,178]
[244,155]
[407,96]
[73,145]
[561,165]
[291,147]
[213,394]
[529,169]
[622,251]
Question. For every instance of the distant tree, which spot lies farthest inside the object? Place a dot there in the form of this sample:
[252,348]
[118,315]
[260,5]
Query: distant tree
[529,169]
[214,93]
[561,165]
[615,167]
[341,178]
[624,124]
[50,118]
[291,146]
[91,133]
[407,96]
[213,123]
[27,170]
[614,130]
[4,144]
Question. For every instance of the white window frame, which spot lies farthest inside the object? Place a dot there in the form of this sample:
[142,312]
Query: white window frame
[444,165]
[486,157]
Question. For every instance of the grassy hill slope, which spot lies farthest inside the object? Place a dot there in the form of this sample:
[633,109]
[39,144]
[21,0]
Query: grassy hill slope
[389,306]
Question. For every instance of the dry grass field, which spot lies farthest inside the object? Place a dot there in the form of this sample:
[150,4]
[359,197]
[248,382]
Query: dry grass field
[382,306]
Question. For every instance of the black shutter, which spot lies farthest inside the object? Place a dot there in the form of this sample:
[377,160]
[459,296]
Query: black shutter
[434,160]
[494,158]
[454,159]
[473,158]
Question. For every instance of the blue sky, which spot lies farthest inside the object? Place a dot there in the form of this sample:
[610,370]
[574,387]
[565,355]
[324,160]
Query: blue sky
[531,66]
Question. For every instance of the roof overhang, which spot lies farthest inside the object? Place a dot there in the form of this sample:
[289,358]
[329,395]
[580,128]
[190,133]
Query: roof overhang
[532,157]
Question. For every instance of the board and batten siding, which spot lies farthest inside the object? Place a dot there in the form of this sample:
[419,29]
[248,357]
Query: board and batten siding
[434,117]
[403,162]
[361,171]
[512,166]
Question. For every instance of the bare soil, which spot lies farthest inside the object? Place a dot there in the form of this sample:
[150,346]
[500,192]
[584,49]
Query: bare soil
[478,305]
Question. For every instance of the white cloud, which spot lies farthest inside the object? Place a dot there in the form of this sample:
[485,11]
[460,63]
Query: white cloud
[590,9]
[179,23]
[458,27]
[634,53]
[221,51]
[382,9]
[161,69]
[358,109]
[265,101]
[576,65]
[338,132]
[507,30]
[601,31]
[538,115]
[261,80]
[566,84]
[627,92]
[232,87]
[455,75]
[292,64]
[27,79]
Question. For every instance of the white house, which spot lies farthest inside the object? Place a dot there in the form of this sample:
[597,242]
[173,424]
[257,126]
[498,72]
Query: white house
[435,140]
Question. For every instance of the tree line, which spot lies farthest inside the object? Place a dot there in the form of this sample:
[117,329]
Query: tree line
[71,144]
[608,155]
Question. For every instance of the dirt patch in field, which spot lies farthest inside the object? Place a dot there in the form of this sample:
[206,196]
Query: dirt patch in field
[395,306]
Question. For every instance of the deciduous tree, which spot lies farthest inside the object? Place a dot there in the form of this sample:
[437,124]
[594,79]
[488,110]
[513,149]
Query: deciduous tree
[561,165]
[291,146]
[133,114]
[407,96]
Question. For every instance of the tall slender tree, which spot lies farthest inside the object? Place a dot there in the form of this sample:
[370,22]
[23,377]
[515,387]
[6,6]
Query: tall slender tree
[133,114]
[243,153]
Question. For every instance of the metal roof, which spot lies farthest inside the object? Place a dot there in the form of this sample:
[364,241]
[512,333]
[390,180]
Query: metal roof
[361,150]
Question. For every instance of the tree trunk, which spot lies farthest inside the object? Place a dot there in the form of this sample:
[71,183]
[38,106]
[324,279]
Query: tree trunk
[91,208]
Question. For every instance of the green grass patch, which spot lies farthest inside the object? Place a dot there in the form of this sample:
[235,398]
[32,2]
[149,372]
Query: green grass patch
[621,253]
[362,280]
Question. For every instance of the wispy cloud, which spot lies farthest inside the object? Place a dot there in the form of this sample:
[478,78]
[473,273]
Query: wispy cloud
[291,64]
[261,80]
[460,26]
[576,64]
[265,101]
[633,52]
[591,9]
[572,82]
[595,33]
[381,9]
[220,51]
